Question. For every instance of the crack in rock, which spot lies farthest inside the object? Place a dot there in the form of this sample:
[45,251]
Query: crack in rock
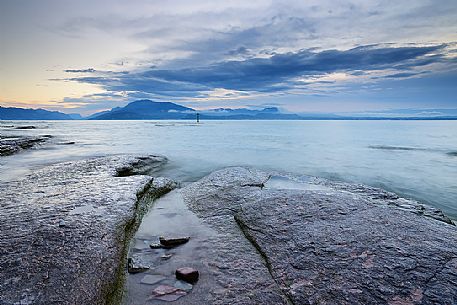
[64,230]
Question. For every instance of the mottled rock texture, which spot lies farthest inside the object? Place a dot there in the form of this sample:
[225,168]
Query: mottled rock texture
[10,145]
[238,274]
[269,240]
[64,229]
[325,242]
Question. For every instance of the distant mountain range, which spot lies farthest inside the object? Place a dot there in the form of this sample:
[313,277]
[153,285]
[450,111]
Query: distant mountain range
[12,113]
[270,113]
[150,110]
[145,110]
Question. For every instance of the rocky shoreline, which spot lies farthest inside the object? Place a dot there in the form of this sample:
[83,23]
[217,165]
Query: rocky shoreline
[10,145]
[325,242]
[12,142]
[65,229]
[255,237]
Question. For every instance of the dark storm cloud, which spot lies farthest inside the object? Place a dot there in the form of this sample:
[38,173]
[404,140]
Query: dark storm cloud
[404,74]
[276,73]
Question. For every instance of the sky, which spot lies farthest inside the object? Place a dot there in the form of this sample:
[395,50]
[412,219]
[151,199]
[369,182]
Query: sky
[301,56]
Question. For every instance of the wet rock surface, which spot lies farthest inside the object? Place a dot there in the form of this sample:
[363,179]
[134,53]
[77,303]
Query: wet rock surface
[324,242]
[64,230]
[139,166]
[254,238]
[13,144]
[236,270]
[151,279]
[230,269]
[381,197]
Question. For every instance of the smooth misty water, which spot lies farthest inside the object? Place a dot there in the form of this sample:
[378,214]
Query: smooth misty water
[416,159]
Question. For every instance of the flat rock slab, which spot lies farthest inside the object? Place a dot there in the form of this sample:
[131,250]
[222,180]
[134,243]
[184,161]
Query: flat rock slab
[236,271]
[323,242]
[151,279]
[168,293]
[64,229]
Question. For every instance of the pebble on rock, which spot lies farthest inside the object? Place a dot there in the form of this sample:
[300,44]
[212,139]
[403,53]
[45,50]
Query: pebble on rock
[135,267]
[187,274]
[173,241]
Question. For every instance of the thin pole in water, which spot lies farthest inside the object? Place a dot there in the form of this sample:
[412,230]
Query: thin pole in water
[198,117]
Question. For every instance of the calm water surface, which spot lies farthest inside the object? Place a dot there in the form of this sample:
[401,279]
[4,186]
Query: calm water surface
[416,159]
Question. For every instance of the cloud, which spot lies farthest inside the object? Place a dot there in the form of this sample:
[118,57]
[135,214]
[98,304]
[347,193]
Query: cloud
[277,73]
[405,74]
[240,51]
[89,70]
[316,50]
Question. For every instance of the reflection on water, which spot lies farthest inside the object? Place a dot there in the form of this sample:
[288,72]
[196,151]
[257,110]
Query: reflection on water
[412,158]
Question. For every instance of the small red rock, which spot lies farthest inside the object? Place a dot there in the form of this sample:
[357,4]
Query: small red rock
[187,274]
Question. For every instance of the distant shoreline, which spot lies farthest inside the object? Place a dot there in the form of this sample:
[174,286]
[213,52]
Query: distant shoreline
[250,119]
[151,110]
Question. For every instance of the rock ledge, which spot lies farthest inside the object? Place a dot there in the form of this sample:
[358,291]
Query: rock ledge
[325,242]
[64,230]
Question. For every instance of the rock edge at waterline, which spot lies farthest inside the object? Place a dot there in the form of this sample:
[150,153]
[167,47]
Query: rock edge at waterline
[324,242]
[10,145]
[64,229]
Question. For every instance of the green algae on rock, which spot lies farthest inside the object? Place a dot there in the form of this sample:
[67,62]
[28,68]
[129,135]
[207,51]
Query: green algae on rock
[65,230]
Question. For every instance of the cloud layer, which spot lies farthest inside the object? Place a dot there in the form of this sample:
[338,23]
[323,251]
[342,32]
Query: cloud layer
[278,73]
[236,52]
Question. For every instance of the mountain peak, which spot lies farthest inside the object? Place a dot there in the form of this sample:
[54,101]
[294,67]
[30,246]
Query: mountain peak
[14,113]
[145,109]
[148,105]
[271,110]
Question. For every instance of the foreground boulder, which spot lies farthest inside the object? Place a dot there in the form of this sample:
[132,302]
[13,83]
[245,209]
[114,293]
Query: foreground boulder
[322,242]
[64,229]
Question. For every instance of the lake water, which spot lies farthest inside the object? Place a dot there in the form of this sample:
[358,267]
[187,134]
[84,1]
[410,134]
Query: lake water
[416,159]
